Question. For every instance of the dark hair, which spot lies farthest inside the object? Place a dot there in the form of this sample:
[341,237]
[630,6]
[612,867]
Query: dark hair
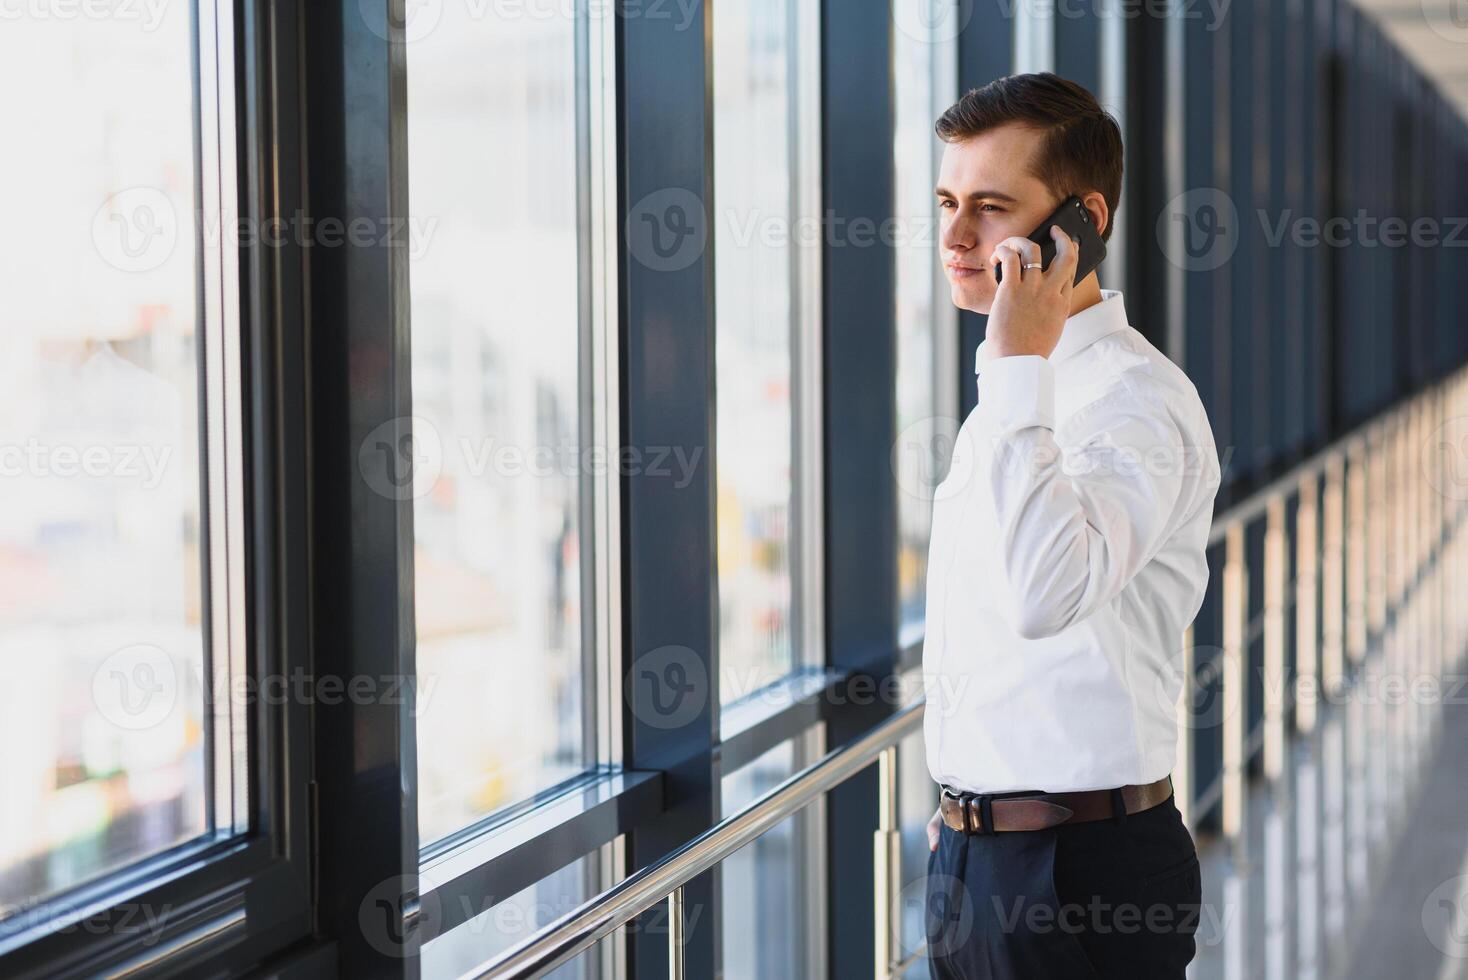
[1081,147]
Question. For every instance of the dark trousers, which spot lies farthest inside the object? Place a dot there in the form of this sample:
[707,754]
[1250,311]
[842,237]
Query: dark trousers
[1106,898]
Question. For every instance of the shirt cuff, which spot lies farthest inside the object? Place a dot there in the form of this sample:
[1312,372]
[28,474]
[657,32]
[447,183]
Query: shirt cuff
[1017,391]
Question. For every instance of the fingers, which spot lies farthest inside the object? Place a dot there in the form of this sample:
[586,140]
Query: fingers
[1028,251]
[1013,254]
[1067,257]
[1009,260]
[933,826]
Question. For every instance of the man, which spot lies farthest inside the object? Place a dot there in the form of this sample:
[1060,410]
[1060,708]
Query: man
[1067,558]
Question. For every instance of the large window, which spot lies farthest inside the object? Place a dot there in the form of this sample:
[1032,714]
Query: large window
[767,329]
[120,564]
[505,387]
[924,84]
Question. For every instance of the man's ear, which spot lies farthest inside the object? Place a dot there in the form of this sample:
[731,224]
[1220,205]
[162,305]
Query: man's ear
[1095,203]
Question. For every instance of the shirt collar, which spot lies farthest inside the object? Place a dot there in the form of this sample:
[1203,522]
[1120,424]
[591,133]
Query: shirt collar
[1081,329]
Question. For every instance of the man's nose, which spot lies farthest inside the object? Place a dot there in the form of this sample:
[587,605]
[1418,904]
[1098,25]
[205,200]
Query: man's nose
[958,236]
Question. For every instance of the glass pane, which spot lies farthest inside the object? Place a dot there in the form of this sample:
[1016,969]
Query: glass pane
[496,338]
[510,922]
[921,445]
[754,160]
[762,887]
[102,593]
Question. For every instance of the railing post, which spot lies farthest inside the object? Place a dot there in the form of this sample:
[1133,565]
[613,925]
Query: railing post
[1407,601]
[1453,435]
[676,965]
[1378,505]
[1182,771]
[1307,602]
[1236,675]
[1356,541]
[1441,511]
[886,862]
[1332,579]
[1275,573]
[1430,528]
[1388,621]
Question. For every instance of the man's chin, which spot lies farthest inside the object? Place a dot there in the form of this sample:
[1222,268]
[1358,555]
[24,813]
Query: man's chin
[971,300]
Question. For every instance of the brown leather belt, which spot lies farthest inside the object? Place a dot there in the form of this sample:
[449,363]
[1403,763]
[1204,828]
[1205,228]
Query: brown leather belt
[976,813]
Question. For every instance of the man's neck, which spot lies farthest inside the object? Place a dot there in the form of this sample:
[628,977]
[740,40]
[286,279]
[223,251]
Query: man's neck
[1087,293]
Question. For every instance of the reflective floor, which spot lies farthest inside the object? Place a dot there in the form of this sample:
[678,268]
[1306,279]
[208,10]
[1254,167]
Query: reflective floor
[1354,864]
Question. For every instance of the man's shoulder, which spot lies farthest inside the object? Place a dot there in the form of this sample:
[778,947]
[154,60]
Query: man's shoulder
[1125,363]
[1128,377]
[1124,375]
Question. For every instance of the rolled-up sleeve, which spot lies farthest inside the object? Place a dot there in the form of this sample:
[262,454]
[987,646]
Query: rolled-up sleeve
[1074,526]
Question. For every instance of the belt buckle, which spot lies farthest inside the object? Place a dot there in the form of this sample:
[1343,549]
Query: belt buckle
[962,797]
[985,801]
[985,817]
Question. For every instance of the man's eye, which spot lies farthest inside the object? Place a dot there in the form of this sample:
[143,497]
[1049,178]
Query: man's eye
[990,207]
[946,204]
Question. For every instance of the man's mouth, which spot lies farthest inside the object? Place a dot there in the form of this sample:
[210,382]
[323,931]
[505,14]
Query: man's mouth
[959,271]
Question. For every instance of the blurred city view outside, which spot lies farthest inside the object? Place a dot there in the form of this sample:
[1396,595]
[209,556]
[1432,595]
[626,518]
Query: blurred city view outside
[102,595]
[920,449]
[496,335]
[757,212]
[755,289]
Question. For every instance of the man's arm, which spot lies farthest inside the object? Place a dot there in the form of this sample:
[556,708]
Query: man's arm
[1074,526]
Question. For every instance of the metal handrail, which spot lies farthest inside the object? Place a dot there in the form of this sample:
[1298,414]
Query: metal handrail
[598,917]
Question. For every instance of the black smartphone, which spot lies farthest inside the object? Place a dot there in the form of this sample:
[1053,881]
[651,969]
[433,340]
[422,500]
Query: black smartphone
[1075,221]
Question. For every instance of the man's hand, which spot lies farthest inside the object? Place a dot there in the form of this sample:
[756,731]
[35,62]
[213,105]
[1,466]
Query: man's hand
[1031,305]
[933,829]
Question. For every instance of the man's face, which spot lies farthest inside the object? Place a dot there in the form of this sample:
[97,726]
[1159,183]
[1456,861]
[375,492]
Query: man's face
[986,193]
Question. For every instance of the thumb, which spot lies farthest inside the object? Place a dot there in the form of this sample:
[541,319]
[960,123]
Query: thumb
[933,829]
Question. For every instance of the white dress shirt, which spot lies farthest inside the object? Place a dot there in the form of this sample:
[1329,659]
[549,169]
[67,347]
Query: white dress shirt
[1067,558]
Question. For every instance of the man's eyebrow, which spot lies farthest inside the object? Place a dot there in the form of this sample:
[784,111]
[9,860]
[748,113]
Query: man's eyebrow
[976,195]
